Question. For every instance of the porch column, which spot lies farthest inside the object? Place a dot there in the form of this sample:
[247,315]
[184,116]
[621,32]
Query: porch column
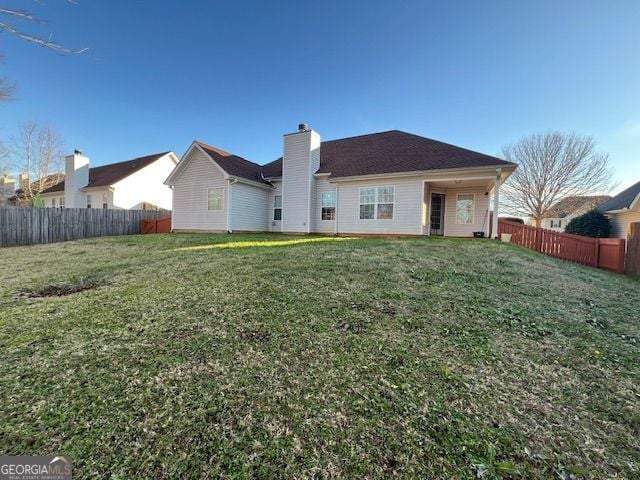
[496,204]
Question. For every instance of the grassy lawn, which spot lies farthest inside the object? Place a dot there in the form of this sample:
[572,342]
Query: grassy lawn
[201,356]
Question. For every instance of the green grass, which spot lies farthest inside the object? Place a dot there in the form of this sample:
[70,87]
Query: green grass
[203,356]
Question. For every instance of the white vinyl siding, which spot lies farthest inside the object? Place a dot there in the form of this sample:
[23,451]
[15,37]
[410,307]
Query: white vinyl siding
[144,187]
[480,205]
[300,161]
[407,207]
[621,223]
[249,207]
[190,195]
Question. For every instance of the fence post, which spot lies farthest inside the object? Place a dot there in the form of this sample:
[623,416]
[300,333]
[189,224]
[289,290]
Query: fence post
[597,253]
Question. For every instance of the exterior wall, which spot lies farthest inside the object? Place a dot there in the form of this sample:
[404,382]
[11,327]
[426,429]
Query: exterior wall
[145,186]
[301,160]
[76,176]
[190,192]
[47,199]
[318,225]
[621,223]
[97,197]
[407,209]
[249,207]
[481,205]
[274,225]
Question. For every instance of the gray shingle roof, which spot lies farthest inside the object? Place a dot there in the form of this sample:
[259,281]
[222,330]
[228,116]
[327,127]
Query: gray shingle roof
[623,200]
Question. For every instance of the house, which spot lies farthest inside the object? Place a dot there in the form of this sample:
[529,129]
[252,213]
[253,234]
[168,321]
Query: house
[25,195]
[560,214]
[7,189]
[623,210]
[132,184]
[390,183]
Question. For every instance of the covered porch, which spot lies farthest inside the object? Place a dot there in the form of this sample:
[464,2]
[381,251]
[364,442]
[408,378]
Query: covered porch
[460,205]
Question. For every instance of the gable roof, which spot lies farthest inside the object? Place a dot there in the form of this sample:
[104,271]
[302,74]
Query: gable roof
[575,205]
[373,154]
[623,200]
[233,164]
[109,174]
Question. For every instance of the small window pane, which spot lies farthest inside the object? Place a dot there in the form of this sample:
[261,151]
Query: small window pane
[277,201]
[385,194]
[328,199]
[215,199]
[367,211]
[368,195]
[88,201]
[385,211]
[328,213]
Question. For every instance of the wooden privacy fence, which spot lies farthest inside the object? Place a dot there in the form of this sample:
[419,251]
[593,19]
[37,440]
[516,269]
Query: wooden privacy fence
[158,225]
[633,250]
[607,253]
[30,226]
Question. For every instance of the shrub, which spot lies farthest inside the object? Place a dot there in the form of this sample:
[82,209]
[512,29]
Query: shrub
[591,224]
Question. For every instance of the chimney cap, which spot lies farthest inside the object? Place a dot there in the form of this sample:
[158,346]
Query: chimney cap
[302,127]
[77,152]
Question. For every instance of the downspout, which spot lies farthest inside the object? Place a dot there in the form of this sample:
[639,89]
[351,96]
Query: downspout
[229,230]
[335,225]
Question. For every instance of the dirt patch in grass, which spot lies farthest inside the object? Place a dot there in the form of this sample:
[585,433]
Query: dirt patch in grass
[64,289]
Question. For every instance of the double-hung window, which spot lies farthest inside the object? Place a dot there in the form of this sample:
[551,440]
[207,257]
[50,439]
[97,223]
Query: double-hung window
[53,202]
[277,207]
[377,202]
[215,199]
[328,205]
[89,200]
[61,202]
[464,208]
[105,200]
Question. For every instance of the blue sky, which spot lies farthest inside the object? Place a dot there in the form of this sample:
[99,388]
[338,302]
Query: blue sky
[238,75]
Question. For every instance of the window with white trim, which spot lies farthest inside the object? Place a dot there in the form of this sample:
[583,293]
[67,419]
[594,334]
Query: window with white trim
[53,203]
[328,206]
[464,208]
[277,207]
[377,202]
[89,200]
[215,199]
[61,202]
[105,200]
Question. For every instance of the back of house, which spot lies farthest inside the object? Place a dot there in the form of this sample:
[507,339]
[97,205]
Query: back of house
[388,183]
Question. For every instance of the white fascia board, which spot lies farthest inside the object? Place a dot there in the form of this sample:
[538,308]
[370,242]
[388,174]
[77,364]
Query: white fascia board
[250,182]
[462,173]
[181,165]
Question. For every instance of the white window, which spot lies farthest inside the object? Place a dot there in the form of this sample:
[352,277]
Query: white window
[377,202]
[88,200]
[464,208]
[277,207]
[61,202]
[105,200]
[215,199]
[53,202]
[328,205]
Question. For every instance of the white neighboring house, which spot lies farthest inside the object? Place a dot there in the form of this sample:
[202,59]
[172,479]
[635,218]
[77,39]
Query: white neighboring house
[390,183]
[136,184]
[559,215]
[623,210]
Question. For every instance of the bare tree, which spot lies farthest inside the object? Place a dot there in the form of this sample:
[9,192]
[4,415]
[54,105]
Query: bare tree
[552,166]
[36,153]
[10,16]
[9,19]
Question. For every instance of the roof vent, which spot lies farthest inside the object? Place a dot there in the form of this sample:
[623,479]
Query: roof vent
[302,127]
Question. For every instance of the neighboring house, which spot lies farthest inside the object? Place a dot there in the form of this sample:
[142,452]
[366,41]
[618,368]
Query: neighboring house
[623,210]
[383,183]
[24,196]
[7,189]
[558,216]
[133,184]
